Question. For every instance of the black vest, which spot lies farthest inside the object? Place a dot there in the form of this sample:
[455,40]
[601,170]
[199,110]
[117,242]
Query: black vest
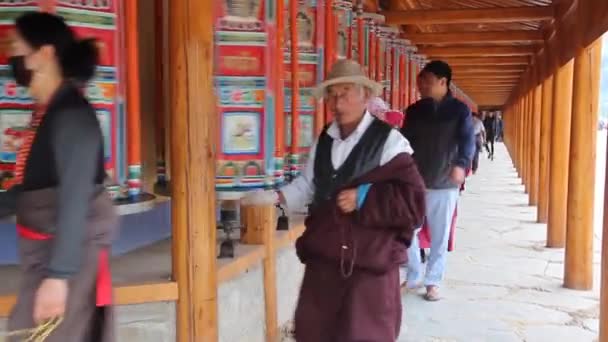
[364,157]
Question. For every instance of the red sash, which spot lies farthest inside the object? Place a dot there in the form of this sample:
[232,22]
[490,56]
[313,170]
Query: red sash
[104,277]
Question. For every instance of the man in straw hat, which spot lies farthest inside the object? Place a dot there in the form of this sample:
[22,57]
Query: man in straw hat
[364,196]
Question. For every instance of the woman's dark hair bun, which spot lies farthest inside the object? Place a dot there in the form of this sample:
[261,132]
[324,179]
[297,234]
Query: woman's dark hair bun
[80,60]
[77,58]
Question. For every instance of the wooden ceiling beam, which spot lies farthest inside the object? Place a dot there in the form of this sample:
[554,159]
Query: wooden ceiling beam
[490,103]
[484,61]
[487,70]
[488,93]
[476,51]
[469,15]
[485,87]
[483,99]
[486,76]
[488,89]
[484,83]
[487,80]
[491,37]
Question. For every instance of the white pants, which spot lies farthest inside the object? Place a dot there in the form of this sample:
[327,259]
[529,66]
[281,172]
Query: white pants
[440,206]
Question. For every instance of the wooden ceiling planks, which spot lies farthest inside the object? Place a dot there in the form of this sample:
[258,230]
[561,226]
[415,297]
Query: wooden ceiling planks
[489,43]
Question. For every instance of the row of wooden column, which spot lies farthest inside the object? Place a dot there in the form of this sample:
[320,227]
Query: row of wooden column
[551,132]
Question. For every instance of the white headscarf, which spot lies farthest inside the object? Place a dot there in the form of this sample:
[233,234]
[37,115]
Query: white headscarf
[377,107]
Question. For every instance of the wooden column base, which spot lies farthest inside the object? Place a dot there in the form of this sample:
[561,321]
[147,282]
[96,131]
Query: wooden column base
[259,224]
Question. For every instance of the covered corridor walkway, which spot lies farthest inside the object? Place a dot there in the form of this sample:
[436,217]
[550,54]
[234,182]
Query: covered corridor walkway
[537,60]
[502,284]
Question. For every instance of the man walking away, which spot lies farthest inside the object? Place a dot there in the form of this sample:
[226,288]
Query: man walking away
[490,124]
[480,137]
[499,128]
[440,130]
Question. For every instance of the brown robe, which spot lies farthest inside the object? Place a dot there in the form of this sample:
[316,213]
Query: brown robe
[84,321]
[351,290]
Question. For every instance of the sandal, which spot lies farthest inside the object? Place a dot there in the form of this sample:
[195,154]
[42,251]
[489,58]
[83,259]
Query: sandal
[432,294]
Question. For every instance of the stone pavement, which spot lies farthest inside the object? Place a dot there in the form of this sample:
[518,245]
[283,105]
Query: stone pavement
[502,284]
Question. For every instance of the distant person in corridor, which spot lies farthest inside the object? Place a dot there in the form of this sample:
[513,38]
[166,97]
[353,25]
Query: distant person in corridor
[365,196]
[440,129]
[480,137]
[491,126]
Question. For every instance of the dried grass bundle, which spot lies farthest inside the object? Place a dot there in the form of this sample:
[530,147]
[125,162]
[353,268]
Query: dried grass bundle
[36,334]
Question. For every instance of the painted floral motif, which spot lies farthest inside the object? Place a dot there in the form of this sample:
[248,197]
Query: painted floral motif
[94,4]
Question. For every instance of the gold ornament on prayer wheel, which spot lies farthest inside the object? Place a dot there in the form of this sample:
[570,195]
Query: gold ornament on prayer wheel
[241,15]
[305,28]
[243,8]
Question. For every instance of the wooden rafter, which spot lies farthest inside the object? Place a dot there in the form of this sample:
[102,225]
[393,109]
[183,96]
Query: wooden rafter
[487,93]
[486,76]
[477,51]
[469,15]
[487,70]
[434,38]
[484,61]
[487,89]
[466,83]
[476,89]
[482,87]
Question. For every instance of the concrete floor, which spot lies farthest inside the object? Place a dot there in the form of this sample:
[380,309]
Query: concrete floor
[502,284]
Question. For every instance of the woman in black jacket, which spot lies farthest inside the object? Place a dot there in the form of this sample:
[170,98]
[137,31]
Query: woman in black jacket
[65,219]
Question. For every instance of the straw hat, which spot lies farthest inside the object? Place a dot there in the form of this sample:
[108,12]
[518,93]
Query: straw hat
[347,71]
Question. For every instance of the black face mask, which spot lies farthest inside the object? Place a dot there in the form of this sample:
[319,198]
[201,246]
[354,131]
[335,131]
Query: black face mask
[22,76]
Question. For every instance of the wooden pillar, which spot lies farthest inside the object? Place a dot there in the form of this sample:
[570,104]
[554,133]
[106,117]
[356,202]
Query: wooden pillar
[604,281]
[535,140]
[559,155]
[402,81]
[330,35]
[513,131]
[512,123]
[530,106]
[295,84]
[408,81]
[413,77]
[360,33]
[519,135]
[279,108]
[544,155]
[133,99]
[526,140]
[372,52]
[516,124]
[193,150]
[349,32]
[578,272]
[258,228]
[394,70]
[160,93]
[520,127]
[377,68]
